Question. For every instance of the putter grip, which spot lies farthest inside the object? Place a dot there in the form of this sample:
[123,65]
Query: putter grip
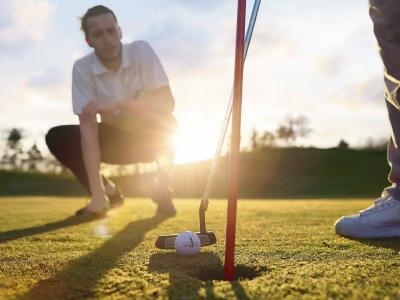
[202,215]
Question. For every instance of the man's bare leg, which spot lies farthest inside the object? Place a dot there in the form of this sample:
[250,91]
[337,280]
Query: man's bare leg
[91,157]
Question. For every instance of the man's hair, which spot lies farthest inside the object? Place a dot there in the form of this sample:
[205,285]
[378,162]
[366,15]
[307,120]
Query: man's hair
[93,12]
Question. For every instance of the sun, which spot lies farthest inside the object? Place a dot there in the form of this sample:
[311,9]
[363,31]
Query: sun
[193,144]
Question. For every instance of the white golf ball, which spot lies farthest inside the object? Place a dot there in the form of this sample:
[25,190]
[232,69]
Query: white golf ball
[187,243]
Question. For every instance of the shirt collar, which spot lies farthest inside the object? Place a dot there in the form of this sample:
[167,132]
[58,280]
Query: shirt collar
[98,68]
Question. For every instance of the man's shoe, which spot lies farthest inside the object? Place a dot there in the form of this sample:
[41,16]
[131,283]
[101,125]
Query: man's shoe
[164,202]
[117,199]
[381,220]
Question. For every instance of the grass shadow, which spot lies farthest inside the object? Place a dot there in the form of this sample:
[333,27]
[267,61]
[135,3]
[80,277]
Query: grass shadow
[78,280]
[25,232]
[182,271]
[388,243]
[189,274]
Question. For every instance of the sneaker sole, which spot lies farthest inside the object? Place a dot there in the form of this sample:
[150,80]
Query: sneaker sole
[368,232]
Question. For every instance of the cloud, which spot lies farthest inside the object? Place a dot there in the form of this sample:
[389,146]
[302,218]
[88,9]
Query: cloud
[187,35]
[189,43]
[47,78]
[23,22]
[38,101]
[331,65]
[368,92]
[50,83]
[273,38]
[351,52]
[49,88]
[196,5]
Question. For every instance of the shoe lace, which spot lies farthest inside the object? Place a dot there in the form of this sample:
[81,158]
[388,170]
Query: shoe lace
[378,204]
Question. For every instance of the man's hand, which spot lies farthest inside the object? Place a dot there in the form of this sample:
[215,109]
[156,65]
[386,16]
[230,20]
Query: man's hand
[94,107]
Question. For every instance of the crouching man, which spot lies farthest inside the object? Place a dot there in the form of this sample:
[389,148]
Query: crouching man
[127,86]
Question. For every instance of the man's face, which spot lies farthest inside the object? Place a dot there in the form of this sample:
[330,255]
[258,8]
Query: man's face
[104,35]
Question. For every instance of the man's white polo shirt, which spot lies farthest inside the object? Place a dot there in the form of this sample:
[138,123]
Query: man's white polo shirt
[140,71]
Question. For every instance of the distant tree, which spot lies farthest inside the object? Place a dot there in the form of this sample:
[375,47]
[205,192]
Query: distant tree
[375,144]
[33,158]
[285,133]
[343,145]
[51,165]
[12,156]
[301,126]
[262,140]
[293,128]
[268,140]
[255,143]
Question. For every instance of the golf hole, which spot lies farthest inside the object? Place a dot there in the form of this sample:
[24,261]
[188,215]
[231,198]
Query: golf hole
[242,272]
[205,266]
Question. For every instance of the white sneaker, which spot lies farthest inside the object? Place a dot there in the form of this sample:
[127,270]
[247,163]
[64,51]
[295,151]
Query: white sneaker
[381,220]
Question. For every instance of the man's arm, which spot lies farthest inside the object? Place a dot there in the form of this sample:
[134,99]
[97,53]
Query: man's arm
[158,100]
[153,105]
[91,157]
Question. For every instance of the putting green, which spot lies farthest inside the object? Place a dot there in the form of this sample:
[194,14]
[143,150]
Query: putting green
[284,249]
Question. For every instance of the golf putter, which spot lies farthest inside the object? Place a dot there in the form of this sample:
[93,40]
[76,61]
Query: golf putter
[208,238]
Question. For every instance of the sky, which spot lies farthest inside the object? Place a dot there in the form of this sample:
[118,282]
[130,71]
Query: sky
[317,58]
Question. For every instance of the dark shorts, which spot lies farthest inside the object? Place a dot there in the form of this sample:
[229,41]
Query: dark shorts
[139,144]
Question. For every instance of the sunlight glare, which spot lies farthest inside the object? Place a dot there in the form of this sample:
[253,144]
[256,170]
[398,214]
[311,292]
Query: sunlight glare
[194,144]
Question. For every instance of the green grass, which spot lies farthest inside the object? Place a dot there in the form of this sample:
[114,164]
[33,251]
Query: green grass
[290,247]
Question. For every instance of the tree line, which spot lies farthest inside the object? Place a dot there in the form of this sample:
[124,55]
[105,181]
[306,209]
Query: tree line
[286,134]
[292,129]
[15,157]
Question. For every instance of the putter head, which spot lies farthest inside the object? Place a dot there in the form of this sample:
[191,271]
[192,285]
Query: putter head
[168,241]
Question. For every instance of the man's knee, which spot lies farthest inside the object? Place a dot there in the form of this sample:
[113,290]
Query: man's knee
[51,138]
[57,138]
[64,144]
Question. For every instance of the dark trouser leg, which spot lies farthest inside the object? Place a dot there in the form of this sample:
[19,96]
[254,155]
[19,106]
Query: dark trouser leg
[165,163]
[156,136]
[116,147]
[385,15]
[393,153]
[64,142]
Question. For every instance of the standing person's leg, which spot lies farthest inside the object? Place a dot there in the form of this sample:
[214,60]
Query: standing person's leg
[382,219]
[393,153]
[386,17]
